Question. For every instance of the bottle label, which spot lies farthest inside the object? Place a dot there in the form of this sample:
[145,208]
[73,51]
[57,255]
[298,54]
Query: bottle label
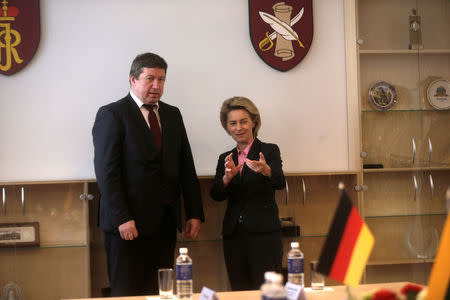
[184,272]
[295,265]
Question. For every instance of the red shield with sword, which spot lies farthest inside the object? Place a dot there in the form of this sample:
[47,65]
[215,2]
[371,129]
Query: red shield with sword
[19,34]
[281,31]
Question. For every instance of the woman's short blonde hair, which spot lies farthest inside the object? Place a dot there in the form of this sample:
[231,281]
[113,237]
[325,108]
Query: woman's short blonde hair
[236,103]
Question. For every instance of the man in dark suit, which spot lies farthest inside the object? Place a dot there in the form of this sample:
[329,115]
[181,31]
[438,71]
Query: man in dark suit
[143,161]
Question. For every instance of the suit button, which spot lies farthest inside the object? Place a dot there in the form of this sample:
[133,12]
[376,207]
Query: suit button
[240,219]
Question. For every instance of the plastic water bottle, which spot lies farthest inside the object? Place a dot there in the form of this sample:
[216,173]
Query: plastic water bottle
[273,288]
[295,265]
[266,285]
[184,275]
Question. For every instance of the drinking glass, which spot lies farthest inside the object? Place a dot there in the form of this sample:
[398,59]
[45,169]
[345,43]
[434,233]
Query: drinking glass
[165,282]
[317,279]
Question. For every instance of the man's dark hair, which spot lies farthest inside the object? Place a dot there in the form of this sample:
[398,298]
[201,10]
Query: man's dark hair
[147,60]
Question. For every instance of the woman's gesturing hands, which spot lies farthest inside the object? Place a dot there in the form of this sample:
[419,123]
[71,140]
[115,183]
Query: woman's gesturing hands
[230,169]
[258,166]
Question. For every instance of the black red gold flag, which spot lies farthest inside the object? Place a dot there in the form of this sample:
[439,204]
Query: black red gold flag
[348,245]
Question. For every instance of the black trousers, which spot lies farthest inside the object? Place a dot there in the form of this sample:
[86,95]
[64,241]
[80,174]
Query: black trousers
[133,265]
[248,255]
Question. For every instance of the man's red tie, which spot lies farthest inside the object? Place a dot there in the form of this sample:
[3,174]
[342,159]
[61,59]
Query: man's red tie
[156,133]
[154,125]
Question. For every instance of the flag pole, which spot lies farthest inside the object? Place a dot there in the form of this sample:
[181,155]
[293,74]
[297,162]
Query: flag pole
[349,294]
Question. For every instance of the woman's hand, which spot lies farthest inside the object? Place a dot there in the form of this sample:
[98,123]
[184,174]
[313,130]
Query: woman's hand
[230,169]
[259,166]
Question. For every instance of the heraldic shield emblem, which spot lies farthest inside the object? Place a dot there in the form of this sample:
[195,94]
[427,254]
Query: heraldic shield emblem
[19,33]
[281,31]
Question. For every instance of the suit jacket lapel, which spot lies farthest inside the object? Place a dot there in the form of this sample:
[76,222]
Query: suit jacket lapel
[165,125]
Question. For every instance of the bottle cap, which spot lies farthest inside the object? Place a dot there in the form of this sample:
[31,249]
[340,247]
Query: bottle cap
[294,244]
[183,250]
[278,278]
[268,275]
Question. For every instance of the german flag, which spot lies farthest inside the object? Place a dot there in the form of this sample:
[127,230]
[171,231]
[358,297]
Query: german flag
[439,281]
[348,245]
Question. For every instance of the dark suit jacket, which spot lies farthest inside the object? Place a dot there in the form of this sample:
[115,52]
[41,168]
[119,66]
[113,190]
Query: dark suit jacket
[133,176]
[251,194]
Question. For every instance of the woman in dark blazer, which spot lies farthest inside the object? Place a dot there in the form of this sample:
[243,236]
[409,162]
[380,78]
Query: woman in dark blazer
[247,176]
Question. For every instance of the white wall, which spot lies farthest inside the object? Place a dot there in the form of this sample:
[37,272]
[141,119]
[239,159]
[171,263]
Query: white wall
[47,109]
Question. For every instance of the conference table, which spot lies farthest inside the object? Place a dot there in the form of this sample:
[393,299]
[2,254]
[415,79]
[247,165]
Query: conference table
[337,292]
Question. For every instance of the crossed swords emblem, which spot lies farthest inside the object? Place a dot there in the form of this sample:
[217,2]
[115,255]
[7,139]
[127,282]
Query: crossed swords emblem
[282,28]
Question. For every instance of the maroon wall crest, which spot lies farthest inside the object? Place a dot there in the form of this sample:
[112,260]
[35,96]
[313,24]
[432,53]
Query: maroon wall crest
[281,31]
[19,34]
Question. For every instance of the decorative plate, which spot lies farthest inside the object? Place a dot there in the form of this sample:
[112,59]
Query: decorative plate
[438,94]
[382,95]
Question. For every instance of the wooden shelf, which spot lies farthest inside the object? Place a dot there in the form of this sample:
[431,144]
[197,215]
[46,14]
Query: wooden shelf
[414,169]
[49,246]
[400,110]
[400,262]
[331,173]
[405,51]
[405,216]
[315,236]
[321,173]
[201,177]
[13,183]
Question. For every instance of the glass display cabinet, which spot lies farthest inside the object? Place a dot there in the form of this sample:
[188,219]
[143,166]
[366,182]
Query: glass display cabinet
[404,68]
[49,258]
